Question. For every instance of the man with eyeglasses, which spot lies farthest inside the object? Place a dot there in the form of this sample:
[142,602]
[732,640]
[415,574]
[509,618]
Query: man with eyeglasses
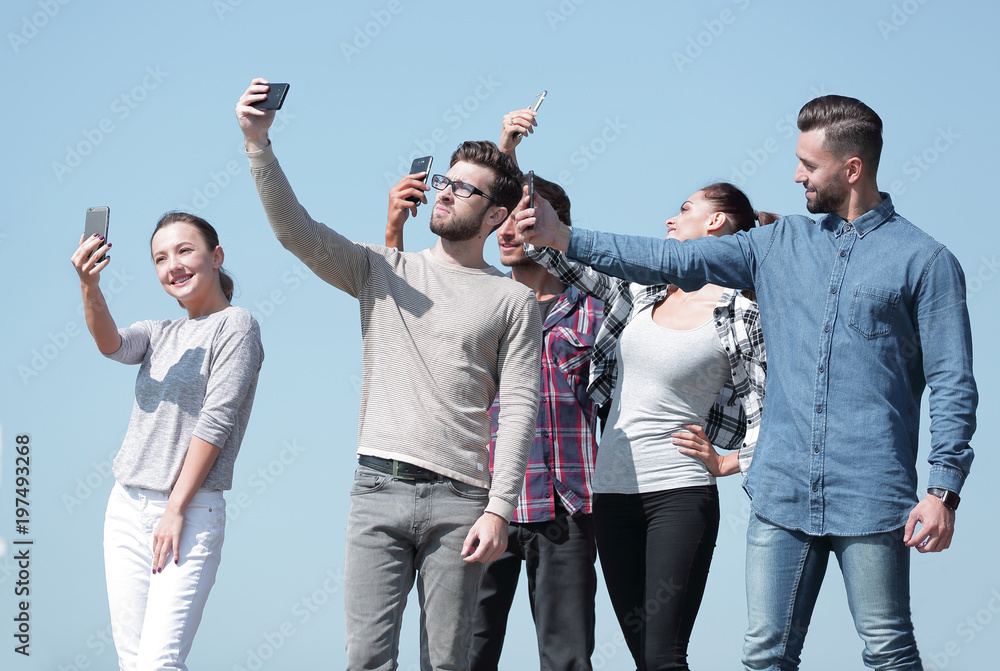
[442,333]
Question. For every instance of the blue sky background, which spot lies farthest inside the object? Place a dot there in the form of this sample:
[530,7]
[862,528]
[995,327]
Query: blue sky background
[130,105]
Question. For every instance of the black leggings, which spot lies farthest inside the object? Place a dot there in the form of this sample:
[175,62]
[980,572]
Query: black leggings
[655,552]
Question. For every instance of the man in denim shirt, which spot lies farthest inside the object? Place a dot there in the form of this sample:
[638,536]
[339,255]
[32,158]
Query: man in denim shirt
[861,310]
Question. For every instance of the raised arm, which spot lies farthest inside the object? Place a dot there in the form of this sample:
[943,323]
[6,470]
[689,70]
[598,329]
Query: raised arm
[334,258]
[517,125]
[728,261]
[89,259]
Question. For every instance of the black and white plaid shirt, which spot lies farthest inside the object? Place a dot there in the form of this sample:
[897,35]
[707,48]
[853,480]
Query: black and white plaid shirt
[734,420]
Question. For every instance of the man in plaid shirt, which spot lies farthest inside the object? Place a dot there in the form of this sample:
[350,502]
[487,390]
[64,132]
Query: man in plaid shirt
[552,529]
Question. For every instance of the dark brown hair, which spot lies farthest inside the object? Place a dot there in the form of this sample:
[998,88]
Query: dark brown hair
[505,189]
[556,196]
[728,199]
[208,234]
[852,128]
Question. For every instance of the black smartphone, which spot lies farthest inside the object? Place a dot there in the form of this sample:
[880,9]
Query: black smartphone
[275,98]
[420,165]
[531,188]
[97,222]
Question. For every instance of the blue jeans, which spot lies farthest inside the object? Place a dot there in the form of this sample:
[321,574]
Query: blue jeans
[399,531]
[783,574]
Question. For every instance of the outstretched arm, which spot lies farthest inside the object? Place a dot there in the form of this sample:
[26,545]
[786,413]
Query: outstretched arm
[89,259]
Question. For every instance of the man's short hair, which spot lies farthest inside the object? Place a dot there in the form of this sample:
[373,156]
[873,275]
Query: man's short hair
[556,196]
[852,128]
[505,189]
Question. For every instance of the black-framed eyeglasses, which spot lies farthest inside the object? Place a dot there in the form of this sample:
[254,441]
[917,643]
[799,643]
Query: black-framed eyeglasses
[460,189]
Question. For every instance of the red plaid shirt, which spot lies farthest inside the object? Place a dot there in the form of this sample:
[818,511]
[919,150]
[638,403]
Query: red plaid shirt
[561,463]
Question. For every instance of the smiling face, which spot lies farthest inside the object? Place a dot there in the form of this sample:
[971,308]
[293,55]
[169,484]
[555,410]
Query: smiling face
[510,243]
[696,219]
[459,219]
[186,267]
[822,174]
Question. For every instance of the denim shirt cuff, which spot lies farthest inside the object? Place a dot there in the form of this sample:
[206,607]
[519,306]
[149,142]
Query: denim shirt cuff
[581,243]
[946,477]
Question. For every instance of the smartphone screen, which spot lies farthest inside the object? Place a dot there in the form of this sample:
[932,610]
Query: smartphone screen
[275,97]
[420,165]
[98,219]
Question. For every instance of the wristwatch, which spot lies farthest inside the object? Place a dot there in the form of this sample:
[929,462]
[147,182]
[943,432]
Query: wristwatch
[949,498]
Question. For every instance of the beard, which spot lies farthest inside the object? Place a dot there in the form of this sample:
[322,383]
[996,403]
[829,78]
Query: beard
[455,228]
[829,198]
[516,259]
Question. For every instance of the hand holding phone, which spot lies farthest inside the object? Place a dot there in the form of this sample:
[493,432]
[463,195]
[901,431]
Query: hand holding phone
[275,97]
[420,165]
[98,219]
[535,104]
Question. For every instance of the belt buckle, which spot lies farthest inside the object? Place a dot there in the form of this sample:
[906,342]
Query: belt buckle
[397,475]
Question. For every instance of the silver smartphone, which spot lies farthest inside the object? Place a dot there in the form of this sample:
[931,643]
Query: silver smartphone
[98,219]
[537,102]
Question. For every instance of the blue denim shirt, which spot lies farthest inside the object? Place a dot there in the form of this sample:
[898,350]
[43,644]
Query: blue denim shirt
[858,317]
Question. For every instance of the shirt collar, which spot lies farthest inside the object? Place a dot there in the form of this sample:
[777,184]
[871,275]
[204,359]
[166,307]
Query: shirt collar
[867,222]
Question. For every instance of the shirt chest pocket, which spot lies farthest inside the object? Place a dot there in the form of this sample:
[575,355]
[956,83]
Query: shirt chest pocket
[872,311]
[570,350]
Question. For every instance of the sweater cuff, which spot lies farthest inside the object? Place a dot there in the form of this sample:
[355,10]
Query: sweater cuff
[262,158]
[500,507]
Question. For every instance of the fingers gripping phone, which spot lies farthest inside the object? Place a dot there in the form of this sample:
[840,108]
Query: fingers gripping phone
[97,222]
[420,165]
[535,104]
[275,97]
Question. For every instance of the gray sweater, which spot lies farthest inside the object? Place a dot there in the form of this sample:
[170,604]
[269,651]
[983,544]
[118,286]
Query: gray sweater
[438,341]
[197,378]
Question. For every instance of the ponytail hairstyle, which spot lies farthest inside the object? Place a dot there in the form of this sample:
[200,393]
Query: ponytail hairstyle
[208,234]
[731,201]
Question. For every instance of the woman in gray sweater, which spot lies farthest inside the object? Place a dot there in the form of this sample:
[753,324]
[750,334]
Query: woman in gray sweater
[166,515]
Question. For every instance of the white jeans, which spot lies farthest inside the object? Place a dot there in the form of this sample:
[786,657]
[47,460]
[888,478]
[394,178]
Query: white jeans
[154,617]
